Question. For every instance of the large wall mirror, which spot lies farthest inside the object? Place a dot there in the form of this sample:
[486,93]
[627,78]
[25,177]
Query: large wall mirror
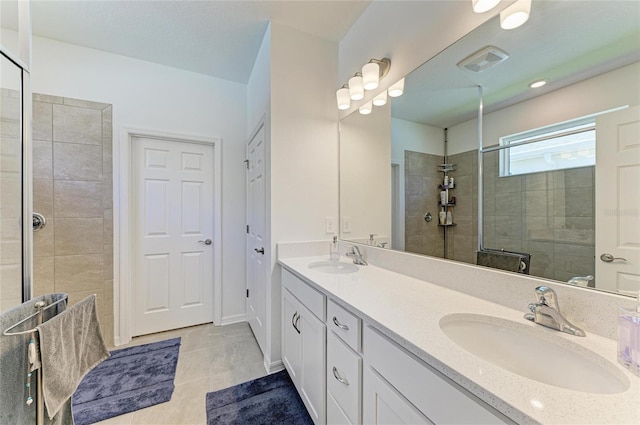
[560,198]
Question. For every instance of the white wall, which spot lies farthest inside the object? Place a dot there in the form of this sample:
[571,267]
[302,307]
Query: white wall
[610,90]
[259,85]
[304,147]
[156,97]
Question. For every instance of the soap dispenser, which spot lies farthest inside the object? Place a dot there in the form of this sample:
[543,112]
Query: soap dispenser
[334,253]
[629,337]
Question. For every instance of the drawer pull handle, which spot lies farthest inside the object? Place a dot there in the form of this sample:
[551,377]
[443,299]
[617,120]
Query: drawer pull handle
[340,325]
[338,377]
[294,320]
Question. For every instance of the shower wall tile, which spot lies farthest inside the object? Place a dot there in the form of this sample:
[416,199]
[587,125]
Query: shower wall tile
[73,124]
[538,181]
[42,121]
[108,225]
[107,254]
[80,228]
[78,236]
[579,177]
[85,103]
[42,159]
[107,123]
[509,184]
[43,276]
[74,273]
[77,162]
[43,197]
[107,156]
[535,203]
[43,241]
[39,97]
[67,194]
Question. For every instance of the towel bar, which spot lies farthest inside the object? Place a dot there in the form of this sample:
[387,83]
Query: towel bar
[40,306]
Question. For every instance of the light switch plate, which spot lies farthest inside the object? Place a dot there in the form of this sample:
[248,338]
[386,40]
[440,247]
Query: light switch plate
[346,224]
[330,225]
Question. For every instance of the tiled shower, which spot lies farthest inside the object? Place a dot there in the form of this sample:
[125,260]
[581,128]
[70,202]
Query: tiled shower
[72,188]
[550,215]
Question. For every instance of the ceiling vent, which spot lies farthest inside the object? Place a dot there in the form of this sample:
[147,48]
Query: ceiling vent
[483,59]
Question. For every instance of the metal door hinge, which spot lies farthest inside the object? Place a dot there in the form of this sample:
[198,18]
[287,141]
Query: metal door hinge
[246,161]
[247,228]
[247,293]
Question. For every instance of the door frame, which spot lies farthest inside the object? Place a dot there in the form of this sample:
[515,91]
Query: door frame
[123,219]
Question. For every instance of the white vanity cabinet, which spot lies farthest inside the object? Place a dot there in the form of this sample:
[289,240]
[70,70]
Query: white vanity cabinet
[344,366]
[305,342]
[400,389]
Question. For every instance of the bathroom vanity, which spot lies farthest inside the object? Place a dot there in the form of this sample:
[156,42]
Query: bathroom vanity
[374,346]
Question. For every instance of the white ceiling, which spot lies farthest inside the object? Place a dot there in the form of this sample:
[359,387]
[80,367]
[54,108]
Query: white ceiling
[217,38]
[563,41]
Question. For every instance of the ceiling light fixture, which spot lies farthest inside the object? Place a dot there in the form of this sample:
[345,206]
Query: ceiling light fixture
[481,6]
[515,15]
[369,79]
[397,88]
[538,83]
[356,87]
[381,99]
[373,71]
[342,96]
[366,108]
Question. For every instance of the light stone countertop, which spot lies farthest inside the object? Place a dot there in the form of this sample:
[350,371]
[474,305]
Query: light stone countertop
[409,310]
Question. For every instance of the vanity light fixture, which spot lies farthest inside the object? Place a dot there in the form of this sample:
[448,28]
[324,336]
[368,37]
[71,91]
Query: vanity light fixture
[481,6]
[397,88]
[342,96]
[381,99]
[366,108]
[356,87]
[373,71]
[538,83]
[515,15]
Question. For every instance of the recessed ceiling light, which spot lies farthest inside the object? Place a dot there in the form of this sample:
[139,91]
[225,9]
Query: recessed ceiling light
[538,83]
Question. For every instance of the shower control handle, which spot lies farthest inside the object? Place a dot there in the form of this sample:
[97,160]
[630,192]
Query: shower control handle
[608,258]
[39,221]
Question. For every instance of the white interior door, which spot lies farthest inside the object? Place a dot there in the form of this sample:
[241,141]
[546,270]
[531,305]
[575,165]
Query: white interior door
[256,221]
[618,201]
[173,228]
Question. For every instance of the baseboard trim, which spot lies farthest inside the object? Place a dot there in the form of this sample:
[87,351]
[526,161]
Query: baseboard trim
[228,320]
[272,367]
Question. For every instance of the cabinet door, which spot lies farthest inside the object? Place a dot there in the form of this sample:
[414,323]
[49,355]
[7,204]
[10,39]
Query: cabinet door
[383,404]
[290,337]
[313,333]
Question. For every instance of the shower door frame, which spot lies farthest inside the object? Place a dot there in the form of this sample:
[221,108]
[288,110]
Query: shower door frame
[26,172]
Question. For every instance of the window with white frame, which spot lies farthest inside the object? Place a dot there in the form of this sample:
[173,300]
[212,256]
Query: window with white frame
[570,144]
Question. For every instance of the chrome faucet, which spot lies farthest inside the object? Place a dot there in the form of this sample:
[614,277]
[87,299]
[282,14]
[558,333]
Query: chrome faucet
[357,256]
[546,312]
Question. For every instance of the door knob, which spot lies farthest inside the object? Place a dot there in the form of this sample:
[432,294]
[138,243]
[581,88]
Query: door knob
[608,258]
[206,241]
[259,251]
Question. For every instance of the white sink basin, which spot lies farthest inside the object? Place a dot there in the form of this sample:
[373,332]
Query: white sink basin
[333,267]
[534,353]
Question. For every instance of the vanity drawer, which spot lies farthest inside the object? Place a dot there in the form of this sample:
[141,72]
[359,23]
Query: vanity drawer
[312,299]
[344,377]
[346,325]
[437,397]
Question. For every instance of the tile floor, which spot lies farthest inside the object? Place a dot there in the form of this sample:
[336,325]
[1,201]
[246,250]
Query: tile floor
[211,358]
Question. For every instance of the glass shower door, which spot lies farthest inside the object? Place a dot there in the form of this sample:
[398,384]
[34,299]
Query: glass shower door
[11,185]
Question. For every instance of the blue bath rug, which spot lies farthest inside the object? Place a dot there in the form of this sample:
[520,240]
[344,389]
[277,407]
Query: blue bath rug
[272,400]
[132,378]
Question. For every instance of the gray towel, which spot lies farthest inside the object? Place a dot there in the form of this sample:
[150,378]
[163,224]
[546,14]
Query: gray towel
[13,360]
[70,346]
